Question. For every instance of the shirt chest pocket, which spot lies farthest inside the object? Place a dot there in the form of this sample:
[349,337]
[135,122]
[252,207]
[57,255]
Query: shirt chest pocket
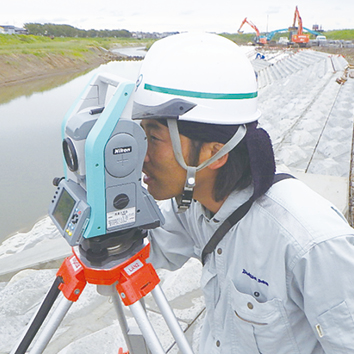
[261,326]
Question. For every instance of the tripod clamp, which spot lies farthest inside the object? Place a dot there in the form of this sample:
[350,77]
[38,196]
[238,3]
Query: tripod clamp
[135,278]
[132,279]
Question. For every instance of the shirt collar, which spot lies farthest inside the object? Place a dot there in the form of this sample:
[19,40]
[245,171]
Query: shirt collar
[233,201]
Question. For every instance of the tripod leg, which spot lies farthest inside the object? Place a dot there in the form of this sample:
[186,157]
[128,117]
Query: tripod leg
[51,326]
[39,317]
[132,335]
[146,328]
[121,318]
[171,320]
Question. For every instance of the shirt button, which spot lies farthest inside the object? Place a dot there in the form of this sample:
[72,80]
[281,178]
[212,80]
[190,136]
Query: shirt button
[219,250]
[250,305]
[218,343]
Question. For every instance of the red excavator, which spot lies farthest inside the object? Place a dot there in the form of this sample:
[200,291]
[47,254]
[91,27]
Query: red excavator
[258,39]
[298,37]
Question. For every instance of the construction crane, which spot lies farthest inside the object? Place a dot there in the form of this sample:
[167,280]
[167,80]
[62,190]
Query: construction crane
[259,39]
[299,37]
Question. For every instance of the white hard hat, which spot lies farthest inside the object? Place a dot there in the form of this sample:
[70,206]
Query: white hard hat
[203,78]
[200,77]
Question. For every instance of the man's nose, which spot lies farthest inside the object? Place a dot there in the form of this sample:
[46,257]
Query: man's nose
[146,158]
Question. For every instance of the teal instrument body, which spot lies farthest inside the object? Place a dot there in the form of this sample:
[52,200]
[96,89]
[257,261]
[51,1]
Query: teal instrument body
[103,153]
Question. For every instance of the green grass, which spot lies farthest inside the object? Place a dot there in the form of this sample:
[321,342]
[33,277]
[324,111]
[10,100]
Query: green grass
[73,47]
[241,39]
[347,34]
[78,47]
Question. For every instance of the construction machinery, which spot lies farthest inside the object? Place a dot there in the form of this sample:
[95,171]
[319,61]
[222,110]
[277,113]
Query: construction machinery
[299,37]
[271,34]
[259,39]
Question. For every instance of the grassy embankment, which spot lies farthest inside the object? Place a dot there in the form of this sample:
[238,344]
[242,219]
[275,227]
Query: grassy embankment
[30,57]
[27,57]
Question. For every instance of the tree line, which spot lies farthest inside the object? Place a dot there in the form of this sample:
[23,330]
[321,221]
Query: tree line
[52,30]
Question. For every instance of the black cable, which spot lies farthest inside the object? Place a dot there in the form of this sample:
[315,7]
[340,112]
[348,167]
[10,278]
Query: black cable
[233,219]
[40,316]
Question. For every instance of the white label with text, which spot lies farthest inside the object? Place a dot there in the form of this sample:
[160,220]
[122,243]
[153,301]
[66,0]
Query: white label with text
[133,267]
[75,264]
[120,217]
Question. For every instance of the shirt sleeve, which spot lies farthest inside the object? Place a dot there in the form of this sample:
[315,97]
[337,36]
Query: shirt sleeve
[170,245]
[323,286]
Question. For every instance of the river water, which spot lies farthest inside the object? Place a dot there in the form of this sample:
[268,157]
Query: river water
[30,141]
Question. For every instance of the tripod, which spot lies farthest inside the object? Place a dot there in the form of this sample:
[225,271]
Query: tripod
[130,277]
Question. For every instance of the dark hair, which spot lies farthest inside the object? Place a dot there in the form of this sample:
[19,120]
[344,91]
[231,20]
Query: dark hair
[235,174]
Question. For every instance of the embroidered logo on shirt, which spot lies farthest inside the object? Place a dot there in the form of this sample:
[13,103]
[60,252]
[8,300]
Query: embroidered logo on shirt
[244,271]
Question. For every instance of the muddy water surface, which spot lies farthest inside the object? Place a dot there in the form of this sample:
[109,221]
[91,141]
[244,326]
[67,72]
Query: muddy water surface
[30,142]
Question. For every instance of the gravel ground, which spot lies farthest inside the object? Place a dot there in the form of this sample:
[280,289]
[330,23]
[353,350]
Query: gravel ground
[348,53]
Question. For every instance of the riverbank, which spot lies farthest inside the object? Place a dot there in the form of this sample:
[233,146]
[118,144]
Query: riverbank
[18,68]
[27,58]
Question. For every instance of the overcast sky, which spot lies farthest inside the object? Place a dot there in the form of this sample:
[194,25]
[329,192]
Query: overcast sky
[181,15]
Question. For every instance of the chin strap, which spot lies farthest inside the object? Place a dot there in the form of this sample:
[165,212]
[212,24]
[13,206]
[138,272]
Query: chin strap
[184,201]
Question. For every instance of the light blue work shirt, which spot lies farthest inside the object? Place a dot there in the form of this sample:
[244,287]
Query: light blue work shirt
[280,282]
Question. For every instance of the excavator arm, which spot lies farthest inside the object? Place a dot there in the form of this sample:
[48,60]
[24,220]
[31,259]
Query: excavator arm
[299,21]
[249,23]
[299,37]
[259,39]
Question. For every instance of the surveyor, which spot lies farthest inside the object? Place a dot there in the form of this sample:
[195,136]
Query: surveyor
[278,276]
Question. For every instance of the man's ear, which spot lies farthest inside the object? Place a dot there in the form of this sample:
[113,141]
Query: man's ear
[213,148]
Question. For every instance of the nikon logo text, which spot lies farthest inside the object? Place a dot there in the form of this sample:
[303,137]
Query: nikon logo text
[122,150]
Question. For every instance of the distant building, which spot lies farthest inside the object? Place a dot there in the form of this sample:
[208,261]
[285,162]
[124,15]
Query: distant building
[5,29]
[317,28]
